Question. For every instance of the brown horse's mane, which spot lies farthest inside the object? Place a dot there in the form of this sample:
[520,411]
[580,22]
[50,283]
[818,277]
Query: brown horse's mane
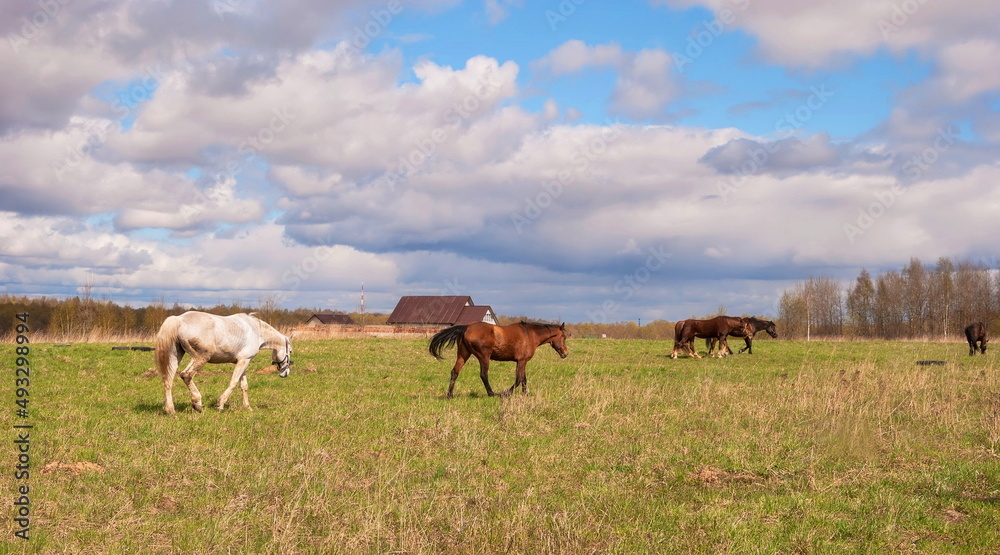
[540,324]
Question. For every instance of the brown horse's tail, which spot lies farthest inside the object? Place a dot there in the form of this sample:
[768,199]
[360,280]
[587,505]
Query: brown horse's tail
[166,345]
[444,339]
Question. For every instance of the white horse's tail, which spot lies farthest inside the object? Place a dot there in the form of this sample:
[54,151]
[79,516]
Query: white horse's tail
[166,345]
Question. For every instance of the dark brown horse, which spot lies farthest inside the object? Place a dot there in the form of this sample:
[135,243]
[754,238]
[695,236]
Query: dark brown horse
[753,326]
[678,327]
[719,328]
[975,333]
[487,342]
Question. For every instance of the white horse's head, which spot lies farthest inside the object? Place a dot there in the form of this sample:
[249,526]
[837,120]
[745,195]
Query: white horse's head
[282,358]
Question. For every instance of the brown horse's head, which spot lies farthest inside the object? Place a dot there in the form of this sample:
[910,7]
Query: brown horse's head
[558,341]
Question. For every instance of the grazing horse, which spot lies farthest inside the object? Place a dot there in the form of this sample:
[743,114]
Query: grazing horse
[488,342]
[215,339]
[753,326]
[718,327]
[975,333]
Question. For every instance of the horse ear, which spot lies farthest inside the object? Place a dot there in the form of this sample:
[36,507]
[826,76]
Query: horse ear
[563,326]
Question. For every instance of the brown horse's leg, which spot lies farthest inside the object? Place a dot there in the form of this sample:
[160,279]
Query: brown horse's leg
[725,343]
[520,379]
[723,347]
[463,355]
[689,343]
[484,372]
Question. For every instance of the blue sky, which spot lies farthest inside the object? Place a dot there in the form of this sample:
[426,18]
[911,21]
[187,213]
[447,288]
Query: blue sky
[199,152]
[722,76]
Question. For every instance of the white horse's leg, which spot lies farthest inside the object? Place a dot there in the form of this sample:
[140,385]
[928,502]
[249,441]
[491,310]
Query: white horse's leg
[238,373]
[245,386]
[168,385]
[188,376]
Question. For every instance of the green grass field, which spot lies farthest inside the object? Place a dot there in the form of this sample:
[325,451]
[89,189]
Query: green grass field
[821,447]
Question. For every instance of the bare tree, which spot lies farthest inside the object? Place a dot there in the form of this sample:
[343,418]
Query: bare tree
[793,313]
[915,298]
[889,305]
[972,293]
[861,305]
[825,306]
[940,307]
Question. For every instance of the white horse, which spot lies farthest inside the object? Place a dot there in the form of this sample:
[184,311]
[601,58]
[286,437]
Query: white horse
[216,339]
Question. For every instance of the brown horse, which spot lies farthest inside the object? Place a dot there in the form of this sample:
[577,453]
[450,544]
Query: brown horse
[975,333]
[719,328]
[678,327]
[753,325]
[487,342]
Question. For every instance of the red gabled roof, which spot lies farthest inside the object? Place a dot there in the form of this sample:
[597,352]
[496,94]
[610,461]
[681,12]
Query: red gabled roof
[472,314]
[429,309]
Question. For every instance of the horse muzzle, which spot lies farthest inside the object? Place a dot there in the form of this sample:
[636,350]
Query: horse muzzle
[285,369]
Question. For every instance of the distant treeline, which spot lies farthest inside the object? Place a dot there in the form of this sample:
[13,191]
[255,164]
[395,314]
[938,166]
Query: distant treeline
[916,302]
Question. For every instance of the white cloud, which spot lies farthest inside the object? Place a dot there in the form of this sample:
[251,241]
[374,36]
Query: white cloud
[322,108]
[645,86]
[810,34]
[574,55]
[497,10]
[969,68]
[61,254]
[646,80]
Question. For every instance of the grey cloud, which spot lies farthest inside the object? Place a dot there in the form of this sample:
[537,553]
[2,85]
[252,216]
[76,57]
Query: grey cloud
[781,157]
[34,202]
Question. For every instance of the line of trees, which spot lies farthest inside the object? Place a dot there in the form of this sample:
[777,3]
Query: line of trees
[916,302]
